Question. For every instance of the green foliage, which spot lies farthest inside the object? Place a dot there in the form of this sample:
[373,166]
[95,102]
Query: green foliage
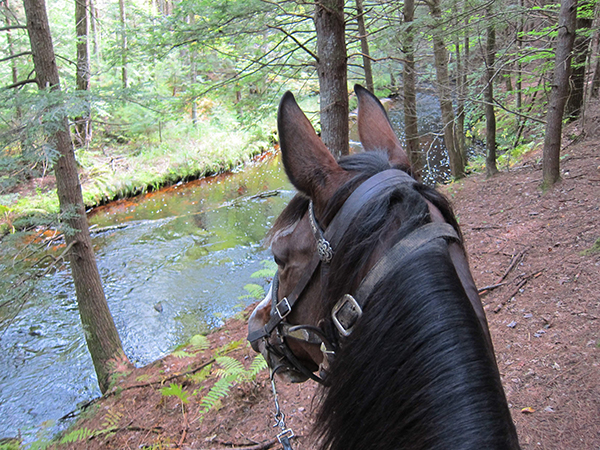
[175,390]
[77,435]
[595,248]
[256,291]
[199,342]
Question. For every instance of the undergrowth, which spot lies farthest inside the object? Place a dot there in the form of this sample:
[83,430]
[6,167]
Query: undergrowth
[194,395]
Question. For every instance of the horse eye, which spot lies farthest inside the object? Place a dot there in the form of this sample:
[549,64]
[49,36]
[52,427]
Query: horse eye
[278,261]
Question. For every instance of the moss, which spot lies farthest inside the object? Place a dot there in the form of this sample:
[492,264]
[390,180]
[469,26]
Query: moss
[595,248]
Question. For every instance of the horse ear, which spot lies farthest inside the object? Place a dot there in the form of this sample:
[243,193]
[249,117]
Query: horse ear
[308,164]
[375,129]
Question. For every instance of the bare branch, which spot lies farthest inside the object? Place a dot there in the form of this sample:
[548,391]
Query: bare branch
[13,27]
[19,84]
[316,58]
[14,56]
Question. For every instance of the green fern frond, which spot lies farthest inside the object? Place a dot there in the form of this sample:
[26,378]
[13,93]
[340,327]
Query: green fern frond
[201,375]
[270,267]
[175,390]
[181,354]
[229,347]
[254,291]
[76,436]
[200,342]
[229,366]
[218,391]
[258,364]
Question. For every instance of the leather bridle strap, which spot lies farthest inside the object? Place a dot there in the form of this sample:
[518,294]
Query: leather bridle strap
[334,233]
[395,256]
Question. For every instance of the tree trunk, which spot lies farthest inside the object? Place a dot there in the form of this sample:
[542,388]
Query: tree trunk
[580,55]
[457,164]
[519,83]
[410,92]
[595,88]
[11,53]
[461,91]
[82,123]
[332,71]
[124,76]
[560,90]
[364,45]
[488,94]
[93,19]
[99,328]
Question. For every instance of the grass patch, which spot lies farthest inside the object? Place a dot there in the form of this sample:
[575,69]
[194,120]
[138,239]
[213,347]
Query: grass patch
[595,248]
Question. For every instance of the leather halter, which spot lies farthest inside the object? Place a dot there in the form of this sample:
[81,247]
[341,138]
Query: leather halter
[349,308]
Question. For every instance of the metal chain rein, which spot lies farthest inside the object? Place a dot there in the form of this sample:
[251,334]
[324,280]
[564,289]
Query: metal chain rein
[286,433]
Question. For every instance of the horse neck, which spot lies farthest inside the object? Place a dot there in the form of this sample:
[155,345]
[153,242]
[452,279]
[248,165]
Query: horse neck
[417,372]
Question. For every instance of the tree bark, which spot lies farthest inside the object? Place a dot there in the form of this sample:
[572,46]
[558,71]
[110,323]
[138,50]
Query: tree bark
[488,94]
[560,90]
[332,72]
[101,334]
[364,45]
[461,91]
[580,54]
[595,88]
[11,52]
[457,164]
[82,123]
[124,75]
[410,91]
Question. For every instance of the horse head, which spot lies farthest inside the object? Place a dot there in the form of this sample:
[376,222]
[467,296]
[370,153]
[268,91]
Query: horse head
[373,278]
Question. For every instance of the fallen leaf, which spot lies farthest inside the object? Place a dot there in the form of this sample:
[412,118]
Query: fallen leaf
[528,410]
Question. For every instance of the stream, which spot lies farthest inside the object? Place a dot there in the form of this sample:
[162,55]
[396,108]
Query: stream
[173,263]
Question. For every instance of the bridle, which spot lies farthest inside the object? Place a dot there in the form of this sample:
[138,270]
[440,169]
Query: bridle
[349,308]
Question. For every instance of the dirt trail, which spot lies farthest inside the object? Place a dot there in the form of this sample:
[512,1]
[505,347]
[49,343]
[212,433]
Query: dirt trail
[544,315]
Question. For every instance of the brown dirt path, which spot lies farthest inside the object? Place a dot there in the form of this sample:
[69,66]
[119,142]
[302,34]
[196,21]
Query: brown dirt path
[544,319]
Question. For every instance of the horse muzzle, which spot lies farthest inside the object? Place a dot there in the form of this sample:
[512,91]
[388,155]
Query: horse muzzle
[271,347]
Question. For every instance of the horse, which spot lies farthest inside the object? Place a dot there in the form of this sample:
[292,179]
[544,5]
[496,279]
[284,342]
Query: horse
[374,299]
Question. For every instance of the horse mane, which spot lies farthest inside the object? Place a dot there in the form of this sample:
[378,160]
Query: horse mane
[416,373]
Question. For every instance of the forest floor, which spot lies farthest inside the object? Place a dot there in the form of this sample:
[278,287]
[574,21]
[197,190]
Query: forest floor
[542,249]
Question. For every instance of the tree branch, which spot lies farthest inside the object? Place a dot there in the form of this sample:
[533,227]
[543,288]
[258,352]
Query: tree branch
[14,56]
[19,84]
[13,27]
[316,58]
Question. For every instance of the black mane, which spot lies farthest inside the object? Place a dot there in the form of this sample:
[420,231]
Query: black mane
[416,373]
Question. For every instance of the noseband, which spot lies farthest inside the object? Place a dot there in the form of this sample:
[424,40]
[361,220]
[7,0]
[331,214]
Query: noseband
[349,308]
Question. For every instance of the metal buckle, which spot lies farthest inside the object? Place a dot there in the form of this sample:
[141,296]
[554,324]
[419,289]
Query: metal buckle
[346,301]
[288,433]
[286,304]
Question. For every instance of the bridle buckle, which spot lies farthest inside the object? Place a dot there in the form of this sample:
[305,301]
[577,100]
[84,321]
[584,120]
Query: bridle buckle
[345,314]
[287,308]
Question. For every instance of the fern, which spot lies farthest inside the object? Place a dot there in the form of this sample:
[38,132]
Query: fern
[254,291]
[181,354]
[201,375]
[270,267]
[77,435]
[229,347]
[258,364]
[175,390]
[217,392]
[229,366]
[111,420]
[200,342]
